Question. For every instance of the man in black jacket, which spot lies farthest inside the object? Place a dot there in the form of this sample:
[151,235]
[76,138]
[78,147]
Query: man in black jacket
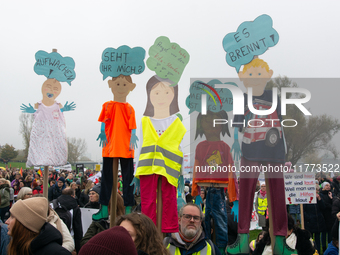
[55,191]
[68,202]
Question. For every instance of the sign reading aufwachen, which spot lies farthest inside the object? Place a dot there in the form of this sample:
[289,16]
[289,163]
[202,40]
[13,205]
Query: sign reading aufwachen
[300,188]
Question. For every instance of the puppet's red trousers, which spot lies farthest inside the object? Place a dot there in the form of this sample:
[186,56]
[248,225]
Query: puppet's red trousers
[247,187]
[148,194]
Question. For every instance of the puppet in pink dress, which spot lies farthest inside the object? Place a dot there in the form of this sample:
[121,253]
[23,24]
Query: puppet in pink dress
[48,142]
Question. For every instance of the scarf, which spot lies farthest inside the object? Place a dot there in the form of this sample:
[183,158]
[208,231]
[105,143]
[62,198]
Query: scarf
[263,193]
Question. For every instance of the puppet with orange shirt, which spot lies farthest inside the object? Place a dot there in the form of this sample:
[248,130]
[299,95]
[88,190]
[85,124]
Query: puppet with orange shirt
[118,138]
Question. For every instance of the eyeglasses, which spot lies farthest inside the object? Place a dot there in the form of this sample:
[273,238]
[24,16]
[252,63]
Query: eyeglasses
[189,217]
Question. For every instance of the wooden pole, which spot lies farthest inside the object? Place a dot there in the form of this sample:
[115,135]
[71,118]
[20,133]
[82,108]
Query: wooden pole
[270,212]
[45,178]
[113,210]
[159,205]
[302,217]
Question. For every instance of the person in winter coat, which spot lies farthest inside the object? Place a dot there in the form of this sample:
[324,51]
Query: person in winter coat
[30,232]
[55,221]
[336,185]
[84,195]
[4,238]
[68,201]
[314,219]
[36,188]
[327,197]
[299,241]
[333,247]
[11,193]
[99,226]
[94,197]
[55,191]
[4,195]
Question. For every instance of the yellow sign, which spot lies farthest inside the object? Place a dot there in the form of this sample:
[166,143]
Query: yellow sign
[97,168]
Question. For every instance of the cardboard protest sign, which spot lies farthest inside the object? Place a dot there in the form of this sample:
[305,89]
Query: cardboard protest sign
[167,59]
[54,66]
[123,60]
[300,188]
[252,38]
[213,99]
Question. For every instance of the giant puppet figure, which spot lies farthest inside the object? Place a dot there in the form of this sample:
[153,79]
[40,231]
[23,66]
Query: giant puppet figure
[263,143]
[48,143]
[118,129]
[212,155]
[160,160]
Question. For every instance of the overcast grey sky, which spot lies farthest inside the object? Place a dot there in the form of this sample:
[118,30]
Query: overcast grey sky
[308,48]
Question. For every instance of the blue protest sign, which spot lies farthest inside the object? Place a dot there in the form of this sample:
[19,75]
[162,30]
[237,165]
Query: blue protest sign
[54,66]
[252,38]
[124,60]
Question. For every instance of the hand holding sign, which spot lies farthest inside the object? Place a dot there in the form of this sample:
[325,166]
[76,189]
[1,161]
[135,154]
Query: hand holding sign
[250,39]
[124,60]
[167,59]
[54,66]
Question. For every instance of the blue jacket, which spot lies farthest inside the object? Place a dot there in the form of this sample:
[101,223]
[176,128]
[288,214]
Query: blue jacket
[4,239]
[331,250]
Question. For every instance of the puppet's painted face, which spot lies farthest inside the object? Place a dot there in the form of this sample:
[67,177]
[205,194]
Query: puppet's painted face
[161,95]
[207,123]
[256,77]
[51,89]
[120,87]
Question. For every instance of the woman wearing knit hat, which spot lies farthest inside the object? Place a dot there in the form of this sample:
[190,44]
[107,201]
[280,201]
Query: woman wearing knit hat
[94,197]
[30,232]
[115,241]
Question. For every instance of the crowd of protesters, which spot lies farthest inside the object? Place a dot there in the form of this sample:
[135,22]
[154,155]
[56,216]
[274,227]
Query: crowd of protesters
[29,220]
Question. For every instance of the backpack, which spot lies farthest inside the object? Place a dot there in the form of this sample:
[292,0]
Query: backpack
[65,215]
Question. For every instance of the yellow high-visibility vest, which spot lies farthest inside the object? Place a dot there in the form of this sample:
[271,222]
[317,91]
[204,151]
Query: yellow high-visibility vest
[161,154]
[175,250]
[263,204]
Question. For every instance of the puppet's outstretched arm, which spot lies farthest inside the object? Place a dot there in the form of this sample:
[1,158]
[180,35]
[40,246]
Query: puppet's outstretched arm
[235,210]
[102,136]
[133,140]
[236,149]
[27,109]
[68,107]
[136,183]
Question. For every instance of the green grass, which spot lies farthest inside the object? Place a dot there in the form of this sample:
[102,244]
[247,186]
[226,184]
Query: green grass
[253,234]
[15,164]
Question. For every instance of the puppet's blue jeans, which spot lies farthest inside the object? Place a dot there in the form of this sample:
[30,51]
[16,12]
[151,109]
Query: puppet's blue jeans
[216,209]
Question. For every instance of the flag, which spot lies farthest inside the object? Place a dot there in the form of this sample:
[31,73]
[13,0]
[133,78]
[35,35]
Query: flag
[21,171]
[39,172]
[95,178]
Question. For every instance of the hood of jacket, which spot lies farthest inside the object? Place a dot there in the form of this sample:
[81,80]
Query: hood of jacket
[68,201]
[176,240]
[4,186]
[48,234]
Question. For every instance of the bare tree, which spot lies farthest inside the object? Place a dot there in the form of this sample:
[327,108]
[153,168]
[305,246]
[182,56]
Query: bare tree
[26,122]
[76,149]
[312,134]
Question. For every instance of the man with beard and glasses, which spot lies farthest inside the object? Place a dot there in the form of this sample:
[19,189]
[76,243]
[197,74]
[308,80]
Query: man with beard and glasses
[190,239]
